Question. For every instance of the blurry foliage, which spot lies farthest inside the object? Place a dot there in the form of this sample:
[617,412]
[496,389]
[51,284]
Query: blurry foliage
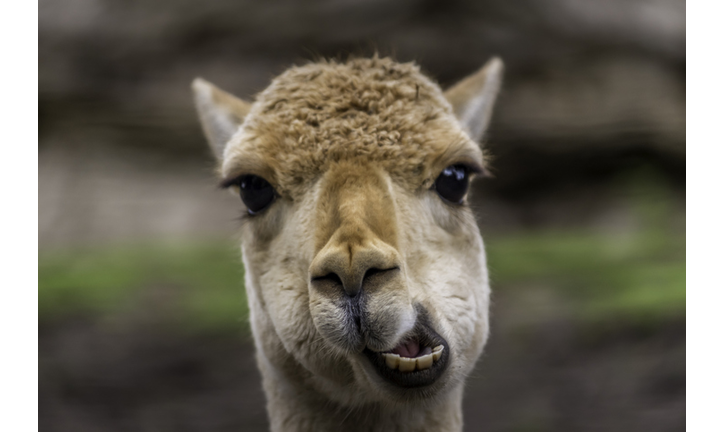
[205,281]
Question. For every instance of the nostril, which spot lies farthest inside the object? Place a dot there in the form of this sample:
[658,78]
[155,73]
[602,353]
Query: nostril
[374,271]
[333,282]
[330,277]
[350,285]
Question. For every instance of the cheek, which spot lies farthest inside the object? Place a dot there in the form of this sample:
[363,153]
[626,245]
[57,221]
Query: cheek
[448,267]
[451,219]
[285,296]
[466,302]
[453,291]
[278,268]
[457,296]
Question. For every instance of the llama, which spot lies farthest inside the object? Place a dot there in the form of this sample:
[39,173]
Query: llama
[365,270]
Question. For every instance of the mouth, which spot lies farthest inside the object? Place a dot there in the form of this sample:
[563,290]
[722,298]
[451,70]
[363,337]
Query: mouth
[418,360]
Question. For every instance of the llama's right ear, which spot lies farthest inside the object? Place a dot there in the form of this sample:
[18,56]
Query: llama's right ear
[220,112]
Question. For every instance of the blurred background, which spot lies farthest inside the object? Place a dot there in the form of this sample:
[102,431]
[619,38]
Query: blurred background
[143,318]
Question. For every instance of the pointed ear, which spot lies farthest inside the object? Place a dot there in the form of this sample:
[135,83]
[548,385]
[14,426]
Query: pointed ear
[221,114]
[473,97]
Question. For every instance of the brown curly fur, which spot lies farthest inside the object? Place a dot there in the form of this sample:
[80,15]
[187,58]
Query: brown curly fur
[374,110]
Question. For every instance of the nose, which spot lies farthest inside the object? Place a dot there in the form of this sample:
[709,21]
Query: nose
[355,231]
[350,261]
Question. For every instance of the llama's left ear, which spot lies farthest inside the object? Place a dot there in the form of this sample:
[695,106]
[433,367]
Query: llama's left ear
[221,114]
[473,98]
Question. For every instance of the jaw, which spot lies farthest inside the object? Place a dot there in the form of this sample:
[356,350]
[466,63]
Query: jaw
[328,388]
[357,378]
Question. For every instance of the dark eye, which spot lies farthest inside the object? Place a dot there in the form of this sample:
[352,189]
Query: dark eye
[256,193]
[453,183]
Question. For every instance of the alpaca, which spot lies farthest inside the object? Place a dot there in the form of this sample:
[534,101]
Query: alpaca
[365,270]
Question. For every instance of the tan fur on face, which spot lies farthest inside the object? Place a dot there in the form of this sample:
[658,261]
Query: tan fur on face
[352,151]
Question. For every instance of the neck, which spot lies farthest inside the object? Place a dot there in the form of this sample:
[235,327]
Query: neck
[296,406]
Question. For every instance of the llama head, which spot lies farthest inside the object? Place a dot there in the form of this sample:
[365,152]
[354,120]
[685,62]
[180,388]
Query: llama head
[365,269]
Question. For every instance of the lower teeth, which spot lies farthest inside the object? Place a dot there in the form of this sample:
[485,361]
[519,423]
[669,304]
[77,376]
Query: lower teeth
[406,364]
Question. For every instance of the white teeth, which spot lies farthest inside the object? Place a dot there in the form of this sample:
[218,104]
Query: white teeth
[424,362]
[405,364]
[437,352]
[392,360]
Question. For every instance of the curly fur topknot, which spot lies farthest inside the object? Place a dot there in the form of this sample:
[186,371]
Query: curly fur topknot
[366,110]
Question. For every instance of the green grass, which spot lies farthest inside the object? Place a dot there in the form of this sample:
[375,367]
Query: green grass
[635,275]
[204,282]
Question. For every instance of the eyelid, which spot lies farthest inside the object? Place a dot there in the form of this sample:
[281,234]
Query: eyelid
[471,167]
[233,181]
